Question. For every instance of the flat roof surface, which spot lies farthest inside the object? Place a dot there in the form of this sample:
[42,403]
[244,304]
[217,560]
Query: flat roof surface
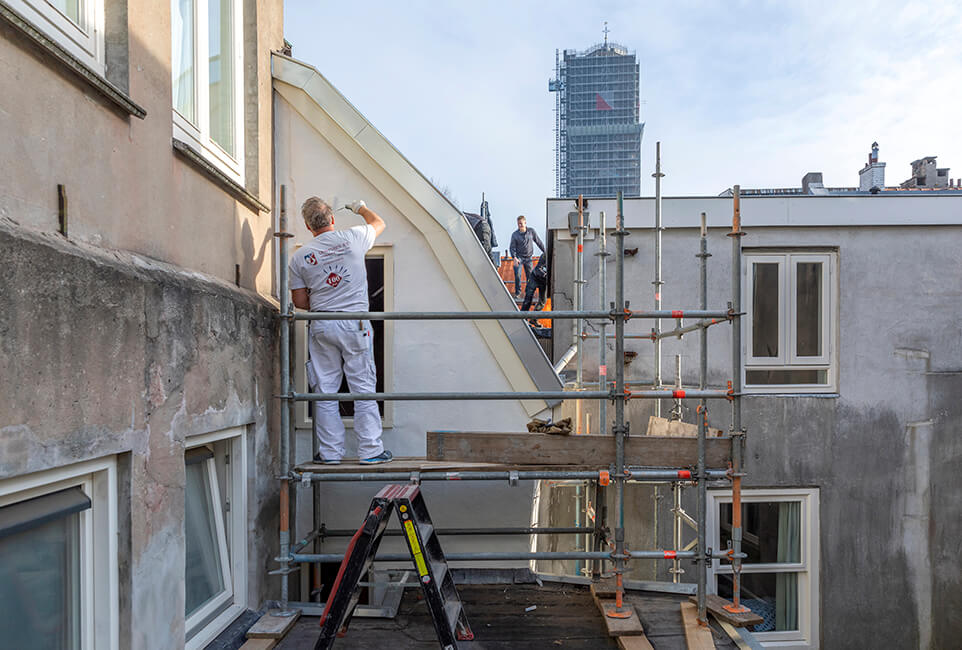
[566,618]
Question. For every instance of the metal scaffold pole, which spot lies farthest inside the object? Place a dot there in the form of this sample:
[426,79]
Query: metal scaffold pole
[619,610]
[285,416]
[658,282]
[737,433]
[702,559]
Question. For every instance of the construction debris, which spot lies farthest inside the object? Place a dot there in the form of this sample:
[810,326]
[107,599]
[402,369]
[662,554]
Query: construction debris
[560,428]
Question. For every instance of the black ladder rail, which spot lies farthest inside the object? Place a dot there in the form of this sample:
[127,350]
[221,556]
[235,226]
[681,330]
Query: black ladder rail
[440,591]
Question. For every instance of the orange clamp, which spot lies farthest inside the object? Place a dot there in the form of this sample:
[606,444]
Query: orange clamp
[678,394]
[731,392]
[627,315]
[684,473]
[604,478]
[670,555]
[627,394]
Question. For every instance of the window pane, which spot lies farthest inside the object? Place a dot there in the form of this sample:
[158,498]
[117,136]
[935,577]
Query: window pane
[773,596]
[40,586]
[765,309]
[69,8]
[203,563]
[221,80]
[774,377]
[771,531]
[808,309]
[182,57]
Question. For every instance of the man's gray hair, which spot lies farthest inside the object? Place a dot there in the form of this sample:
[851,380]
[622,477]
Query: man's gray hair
[317,213]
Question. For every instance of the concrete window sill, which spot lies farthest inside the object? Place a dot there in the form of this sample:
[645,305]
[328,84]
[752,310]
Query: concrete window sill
[211,171]
[49,46]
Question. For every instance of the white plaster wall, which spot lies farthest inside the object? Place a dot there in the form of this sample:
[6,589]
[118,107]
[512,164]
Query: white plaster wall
[426,356]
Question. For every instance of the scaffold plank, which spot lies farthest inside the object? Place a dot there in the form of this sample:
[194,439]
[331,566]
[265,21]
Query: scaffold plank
[269,626]
[716,605]
[587,451]
[697,636]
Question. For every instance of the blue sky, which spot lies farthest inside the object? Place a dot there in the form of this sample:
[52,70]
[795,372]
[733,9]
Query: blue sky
[755,93]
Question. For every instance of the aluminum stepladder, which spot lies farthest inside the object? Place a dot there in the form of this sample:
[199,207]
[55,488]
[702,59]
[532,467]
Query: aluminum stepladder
[440,592]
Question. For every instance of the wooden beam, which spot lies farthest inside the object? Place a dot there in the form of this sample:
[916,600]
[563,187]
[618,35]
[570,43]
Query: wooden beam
[630,626]
[578,451]
[259,644]
[716,605]
[697,636]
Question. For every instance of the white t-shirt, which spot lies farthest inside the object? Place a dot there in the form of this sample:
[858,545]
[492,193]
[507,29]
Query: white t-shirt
[332,266]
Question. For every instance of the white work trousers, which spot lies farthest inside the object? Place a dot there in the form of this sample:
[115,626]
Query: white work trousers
[344,348]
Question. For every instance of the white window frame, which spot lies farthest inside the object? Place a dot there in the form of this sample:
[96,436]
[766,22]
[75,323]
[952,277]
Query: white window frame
[84,41]
[807,570]
[99,627]
[198,135]
[302,419]
[787,358]
[232,535]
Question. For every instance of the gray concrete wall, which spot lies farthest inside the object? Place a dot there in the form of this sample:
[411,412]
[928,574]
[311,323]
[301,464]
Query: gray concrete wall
[129,336]
[880,450]
[104,353]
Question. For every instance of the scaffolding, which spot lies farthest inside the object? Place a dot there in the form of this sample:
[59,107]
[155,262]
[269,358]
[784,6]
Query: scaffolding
[597,128]
[608,552]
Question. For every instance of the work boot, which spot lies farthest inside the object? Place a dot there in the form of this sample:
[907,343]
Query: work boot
[384,457]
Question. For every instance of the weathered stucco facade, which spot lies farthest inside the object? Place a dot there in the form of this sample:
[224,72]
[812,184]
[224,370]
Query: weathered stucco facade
[879,448]
[151,321]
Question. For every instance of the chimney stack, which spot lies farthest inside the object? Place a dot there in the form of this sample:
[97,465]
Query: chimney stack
[873,174]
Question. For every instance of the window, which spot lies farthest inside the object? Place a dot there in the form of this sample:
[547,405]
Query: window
[206,74]
[789,331]
[58,558]
[380,289]
[779,579]
[215,533]
[76,25]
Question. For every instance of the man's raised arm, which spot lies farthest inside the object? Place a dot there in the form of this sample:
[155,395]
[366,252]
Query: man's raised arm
[370,216]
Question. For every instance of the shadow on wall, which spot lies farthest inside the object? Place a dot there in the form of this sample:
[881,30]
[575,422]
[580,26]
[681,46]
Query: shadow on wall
[251,263]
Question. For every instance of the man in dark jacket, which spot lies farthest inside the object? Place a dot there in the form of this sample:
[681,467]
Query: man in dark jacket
[537,281]
[523,241]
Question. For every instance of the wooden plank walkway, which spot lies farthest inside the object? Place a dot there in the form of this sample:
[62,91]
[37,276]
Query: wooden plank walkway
[543,449]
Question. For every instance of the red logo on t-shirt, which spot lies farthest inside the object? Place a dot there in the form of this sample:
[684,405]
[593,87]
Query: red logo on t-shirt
[311,259]
[333,279]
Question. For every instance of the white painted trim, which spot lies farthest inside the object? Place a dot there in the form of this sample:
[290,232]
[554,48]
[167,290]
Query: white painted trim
[84,41]
[198,135]
[98,551]
[787,359]
[232,534]
[807,636]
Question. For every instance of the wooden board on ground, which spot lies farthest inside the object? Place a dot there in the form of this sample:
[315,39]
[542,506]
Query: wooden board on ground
[585,451]
[677,429]
[259,644]
[269,626]
[630,626]
[698,637]
[716,605]
[634,643]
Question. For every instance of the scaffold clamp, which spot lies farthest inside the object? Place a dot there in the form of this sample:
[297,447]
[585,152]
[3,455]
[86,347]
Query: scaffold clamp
[513,477]
[415,478]
[604,478]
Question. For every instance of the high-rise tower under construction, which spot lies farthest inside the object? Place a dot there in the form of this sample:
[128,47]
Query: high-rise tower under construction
[598,148]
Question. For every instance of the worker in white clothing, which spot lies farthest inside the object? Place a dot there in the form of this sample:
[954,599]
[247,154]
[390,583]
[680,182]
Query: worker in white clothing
[328,275]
